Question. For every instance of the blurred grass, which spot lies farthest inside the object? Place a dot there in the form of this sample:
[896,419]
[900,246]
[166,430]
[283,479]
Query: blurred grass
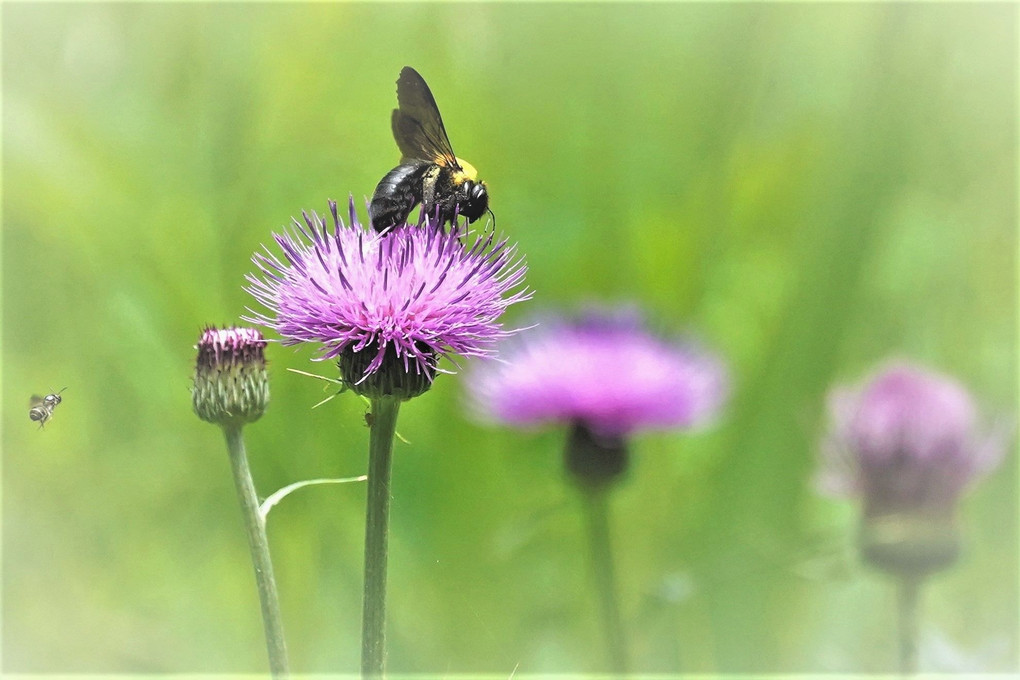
[809,188]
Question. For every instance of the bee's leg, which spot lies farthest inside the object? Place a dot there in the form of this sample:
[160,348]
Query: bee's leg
[433,203]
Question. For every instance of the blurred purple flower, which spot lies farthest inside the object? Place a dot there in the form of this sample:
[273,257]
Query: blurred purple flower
[410,296]
[906,441]
[604,370]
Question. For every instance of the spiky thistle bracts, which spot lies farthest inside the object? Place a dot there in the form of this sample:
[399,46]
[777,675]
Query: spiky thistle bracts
[231,385]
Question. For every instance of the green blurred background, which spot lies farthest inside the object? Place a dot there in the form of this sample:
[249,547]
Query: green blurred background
[809,188]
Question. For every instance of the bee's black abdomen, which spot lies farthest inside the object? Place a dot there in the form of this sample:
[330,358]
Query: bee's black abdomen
[396,195]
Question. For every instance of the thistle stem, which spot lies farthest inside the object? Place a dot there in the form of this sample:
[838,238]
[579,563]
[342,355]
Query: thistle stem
[255,527]
[908,600]
[380,456]
[596,499]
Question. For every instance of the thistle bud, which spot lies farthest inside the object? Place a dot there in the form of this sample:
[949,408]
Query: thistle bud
[907,443]
[231,385]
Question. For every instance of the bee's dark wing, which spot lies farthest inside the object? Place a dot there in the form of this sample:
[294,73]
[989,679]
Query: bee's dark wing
[35,400]
[417,125]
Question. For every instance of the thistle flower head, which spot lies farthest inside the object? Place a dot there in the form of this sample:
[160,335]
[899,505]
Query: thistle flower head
[907,442]
[230,386]
[602,369]
[906,439]
[386,306]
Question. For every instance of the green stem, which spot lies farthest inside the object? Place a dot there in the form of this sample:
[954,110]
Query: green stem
[909,596]
[258,543]
[597,514]
[380,457]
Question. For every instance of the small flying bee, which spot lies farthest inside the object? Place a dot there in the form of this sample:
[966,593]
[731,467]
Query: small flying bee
[429,173]
[40,409]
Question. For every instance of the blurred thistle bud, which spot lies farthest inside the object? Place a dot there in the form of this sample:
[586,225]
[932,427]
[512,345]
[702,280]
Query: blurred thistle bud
[907,443]
[231,384]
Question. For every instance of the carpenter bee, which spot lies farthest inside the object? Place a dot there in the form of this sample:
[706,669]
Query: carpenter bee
[429,173]
[40,409]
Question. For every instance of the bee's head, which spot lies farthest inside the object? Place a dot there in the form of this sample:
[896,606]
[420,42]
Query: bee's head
[475,201]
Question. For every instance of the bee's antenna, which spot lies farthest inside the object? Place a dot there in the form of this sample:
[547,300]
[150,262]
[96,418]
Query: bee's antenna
[493,216]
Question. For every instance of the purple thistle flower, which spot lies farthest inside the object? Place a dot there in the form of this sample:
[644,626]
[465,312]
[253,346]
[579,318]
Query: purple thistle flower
[604,376]
[907,442]
[605,370]
[907,439]
[407,297]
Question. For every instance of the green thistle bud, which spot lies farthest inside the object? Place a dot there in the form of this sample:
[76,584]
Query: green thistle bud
[231,384]
[376,375]
[909,544]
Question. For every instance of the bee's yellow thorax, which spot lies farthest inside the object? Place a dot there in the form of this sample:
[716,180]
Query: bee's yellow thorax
[467,170]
